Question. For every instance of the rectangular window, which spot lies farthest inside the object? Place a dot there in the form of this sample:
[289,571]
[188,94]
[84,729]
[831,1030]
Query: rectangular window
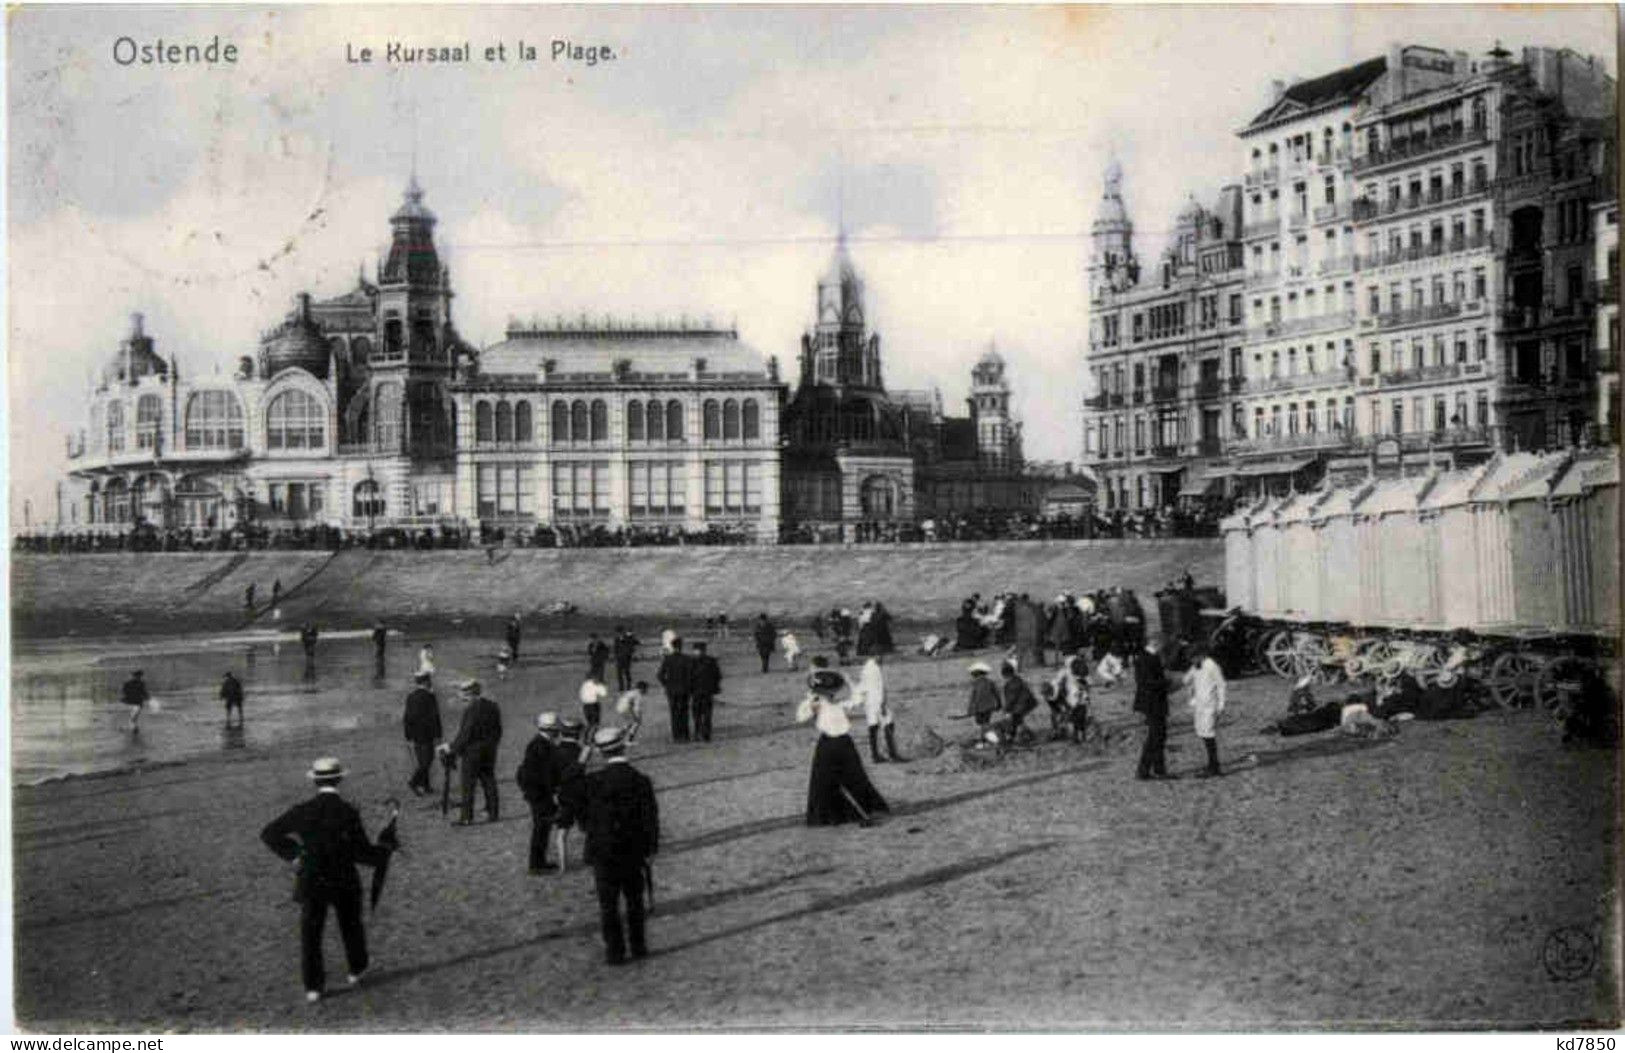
[485,486]
[637,487]
[753,487]
[563,488]
[1483,340]
[713,487]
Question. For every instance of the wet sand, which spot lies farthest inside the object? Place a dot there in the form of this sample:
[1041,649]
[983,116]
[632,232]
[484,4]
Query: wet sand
[1413,882]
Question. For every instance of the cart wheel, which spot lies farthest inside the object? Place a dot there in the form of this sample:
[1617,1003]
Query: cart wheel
[1512,678]
[1281,654]
[1428,664]
[1557,684]
[1315,658]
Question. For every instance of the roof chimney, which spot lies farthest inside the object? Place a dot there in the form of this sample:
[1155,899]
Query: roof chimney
[136,321]
[1277,89]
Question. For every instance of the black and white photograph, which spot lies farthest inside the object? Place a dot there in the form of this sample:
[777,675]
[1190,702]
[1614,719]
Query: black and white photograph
[698,519]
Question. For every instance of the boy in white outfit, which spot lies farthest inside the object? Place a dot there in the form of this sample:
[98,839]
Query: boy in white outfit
[1206,682]
[872,690]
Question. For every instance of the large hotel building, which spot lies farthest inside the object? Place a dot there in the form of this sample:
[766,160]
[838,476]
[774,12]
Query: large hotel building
[1408,272]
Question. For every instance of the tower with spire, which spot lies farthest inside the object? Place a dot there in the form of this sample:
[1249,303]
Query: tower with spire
[839,351]
[998,434]
[1112,265]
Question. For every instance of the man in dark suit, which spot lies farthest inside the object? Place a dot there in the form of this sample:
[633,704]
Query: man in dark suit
[538,778]
[423,730]
[704,684]
[626,649]
[622,822]
[475,748]
[597,657]
[1151,698]
[231,693]
[766,636]
[513,634]
[674,676]
[324,835]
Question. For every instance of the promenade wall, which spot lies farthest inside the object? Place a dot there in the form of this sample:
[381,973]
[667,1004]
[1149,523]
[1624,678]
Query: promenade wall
[171,592]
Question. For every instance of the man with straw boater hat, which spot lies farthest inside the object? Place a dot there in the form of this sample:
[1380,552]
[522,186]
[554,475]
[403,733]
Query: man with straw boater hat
[324,837]
[538,777]
[616,806]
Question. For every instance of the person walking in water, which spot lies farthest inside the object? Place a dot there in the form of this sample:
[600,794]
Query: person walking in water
[231,693]
[380,641]
[135,695]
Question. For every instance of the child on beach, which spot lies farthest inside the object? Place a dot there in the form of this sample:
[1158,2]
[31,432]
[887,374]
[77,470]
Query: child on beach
[630,708]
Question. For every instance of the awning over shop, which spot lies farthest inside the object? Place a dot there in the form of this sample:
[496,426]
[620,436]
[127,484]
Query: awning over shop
[1205,481]
[1282,467]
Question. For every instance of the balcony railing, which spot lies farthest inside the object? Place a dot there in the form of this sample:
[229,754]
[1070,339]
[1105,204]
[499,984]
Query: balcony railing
[1209,447]
[1296,381]
[1435,312]
[1262,278]
[1335,265]
[1209,388]
[1420,146]
[1304,440]
[1296,219]
[1422,375]
[1115,399]
[1258,228]
[1298,326]
[1165,392]
[1095,402]
[1330,213]
[1139,397]
[1262,177]
[1163,452]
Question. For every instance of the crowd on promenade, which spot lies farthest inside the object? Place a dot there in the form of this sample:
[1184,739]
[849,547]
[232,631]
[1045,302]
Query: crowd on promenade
[985,526]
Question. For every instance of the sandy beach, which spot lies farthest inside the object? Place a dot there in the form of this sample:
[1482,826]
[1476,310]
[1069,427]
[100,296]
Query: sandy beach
[1328,883]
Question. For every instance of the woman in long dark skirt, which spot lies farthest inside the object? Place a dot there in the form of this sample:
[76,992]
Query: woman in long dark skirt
[839,790]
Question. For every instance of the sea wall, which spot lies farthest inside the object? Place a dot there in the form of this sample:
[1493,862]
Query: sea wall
[169,592]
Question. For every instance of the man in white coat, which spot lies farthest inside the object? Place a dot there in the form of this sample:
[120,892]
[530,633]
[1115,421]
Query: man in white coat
[872,692]
[1206,682]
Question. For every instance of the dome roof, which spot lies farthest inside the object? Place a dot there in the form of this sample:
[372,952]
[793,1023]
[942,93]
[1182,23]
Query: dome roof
[297,342]
[1111,212]
[1190,214]
[990,357]
[135,357]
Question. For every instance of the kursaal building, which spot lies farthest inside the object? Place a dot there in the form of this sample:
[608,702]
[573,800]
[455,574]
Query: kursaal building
[368,411]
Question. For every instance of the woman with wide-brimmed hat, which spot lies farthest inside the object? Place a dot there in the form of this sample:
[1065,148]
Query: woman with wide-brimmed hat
[838,790]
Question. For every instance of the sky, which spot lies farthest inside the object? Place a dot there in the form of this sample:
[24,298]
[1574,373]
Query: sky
[703,171]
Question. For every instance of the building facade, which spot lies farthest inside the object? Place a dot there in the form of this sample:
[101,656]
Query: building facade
[1605,227]
[367,411]
[664,430]
[1421,277]
[1165,349]
[864,461]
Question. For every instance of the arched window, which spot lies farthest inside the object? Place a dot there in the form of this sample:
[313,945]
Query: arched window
[115,426]
[93,500]
[360,349]
[656,413]
[578,422]
[149,412]
[753,420]
[369,500]
[600,421]
[386,416]
[634,421]
[295,421]
[504,422]
[522,430]
[116,502]
[214,420]
[674,421]
[561,421]
[712,420]
[482,421]
[730,419]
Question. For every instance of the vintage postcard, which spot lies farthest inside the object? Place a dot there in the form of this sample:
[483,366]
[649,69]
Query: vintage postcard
[669,518]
